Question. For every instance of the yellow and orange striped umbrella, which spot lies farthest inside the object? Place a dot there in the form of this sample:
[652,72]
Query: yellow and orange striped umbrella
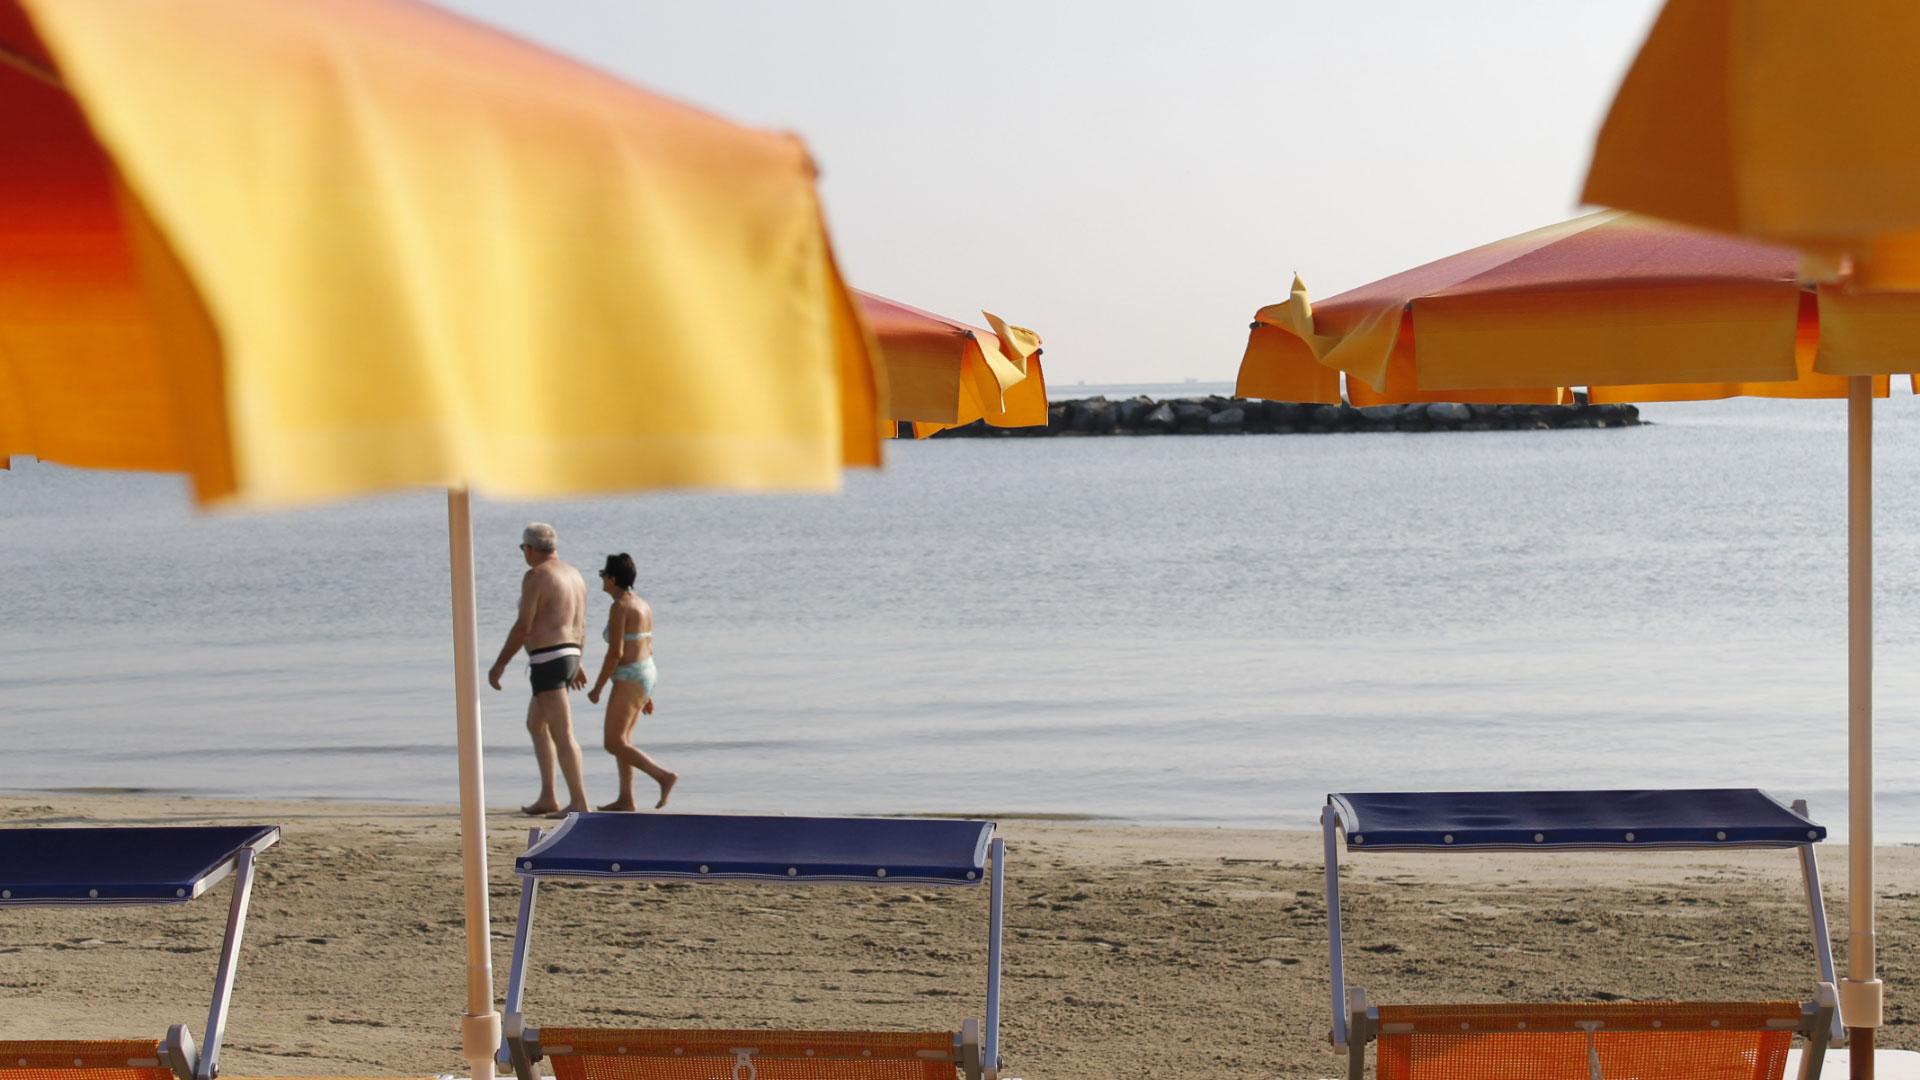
[941,373]
[304,251]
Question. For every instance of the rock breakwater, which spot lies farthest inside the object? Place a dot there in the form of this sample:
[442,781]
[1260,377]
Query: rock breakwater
[1237,416]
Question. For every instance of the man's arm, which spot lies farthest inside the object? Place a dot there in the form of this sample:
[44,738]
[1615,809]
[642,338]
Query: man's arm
[516,637]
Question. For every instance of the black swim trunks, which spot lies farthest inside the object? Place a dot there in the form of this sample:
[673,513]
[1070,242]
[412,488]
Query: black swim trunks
[552,667]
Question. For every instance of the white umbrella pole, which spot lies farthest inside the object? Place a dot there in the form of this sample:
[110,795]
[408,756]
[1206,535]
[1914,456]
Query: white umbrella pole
[1860,992]
[480,1029]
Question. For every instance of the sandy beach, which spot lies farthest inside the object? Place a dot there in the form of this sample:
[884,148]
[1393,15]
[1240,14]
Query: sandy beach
[1131,951]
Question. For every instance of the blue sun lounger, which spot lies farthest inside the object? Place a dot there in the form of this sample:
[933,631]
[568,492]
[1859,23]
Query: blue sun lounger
[93,866]
[871,852]
[1597,1040]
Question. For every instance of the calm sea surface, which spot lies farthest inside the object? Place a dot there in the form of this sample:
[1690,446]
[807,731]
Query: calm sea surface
[1179,630]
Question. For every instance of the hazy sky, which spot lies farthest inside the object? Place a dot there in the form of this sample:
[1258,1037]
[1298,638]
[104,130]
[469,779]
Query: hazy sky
[1132,180]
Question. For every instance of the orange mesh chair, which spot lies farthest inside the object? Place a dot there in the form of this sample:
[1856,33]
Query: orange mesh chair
[130,866]
[786,850]
[1578,1041]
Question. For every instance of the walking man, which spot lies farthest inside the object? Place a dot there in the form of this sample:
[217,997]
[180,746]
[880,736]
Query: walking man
[552,626]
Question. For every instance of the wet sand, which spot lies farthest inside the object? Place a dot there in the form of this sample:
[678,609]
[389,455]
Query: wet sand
[1130,951]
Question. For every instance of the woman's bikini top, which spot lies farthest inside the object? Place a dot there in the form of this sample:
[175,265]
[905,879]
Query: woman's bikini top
[606,635]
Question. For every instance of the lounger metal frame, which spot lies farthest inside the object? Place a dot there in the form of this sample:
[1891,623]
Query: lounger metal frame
[1353,1026]
[177,1050]
[976,1047]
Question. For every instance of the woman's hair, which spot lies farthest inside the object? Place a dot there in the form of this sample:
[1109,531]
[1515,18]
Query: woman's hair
[621,569]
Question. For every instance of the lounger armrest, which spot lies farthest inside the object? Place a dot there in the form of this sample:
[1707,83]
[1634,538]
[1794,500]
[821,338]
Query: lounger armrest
[1818,1029]
[967,1043]
[1361,1020]
[178,1053]
[523,1047]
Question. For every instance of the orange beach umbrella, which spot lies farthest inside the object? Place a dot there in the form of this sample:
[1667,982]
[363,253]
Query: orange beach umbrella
[942,373]
[1800,124]
[1634,309]
[301,252]
[1796,123]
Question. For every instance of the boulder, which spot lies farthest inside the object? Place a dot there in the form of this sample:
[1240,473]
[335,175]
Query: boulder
[1056,419]
[1448,414]
[1159,420]
[1327,418]
[1227,421]
[1191,415]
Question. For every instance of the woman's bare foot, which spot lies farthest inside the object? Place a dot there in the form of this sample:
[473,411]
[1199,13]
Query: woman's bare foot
[539,809]
[620,806]
[570,809]
[666,789]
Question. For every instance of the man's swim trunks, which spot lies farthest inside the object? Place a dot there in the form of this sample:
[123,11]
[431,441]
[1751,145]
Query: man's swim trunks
[552,667]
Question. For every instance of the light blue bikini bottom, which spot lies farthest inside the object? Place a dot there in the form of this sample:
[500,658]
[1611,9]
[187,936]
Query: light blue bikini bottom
[643,673]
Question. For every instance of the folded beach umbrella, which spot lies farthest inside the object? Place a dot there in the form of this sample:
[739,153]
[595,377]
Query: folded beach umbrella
[1800,124]
[301,252]
[942,373]
[1633,309]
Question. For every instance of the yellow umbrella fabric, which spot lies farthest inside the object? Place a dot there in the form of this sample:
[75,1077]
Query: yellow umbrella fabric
[367,245]
[1632,308]
[1797,123]
[305,251]
[941,373]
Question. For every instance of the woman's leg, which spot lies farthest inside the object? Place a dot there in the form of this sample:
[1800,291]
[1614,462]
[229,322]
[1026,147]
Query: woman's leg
[620,743]
[620,710]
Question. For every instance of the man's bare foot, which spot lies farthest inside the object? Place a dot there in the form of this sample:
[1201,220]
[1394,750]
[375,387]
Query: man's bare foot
[539,809]
[620,806]
[666,789]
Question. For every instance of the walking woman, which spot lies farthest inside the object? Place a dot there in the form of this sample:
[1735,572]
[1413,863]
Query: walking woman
[629,666]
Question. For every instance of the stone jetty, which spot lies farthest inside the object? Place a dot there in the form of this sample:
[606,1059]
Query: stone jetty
[1238,416]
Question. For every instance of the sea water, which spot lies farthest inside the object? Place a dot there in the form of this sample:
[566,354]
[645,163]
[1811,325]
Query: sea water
[1206,630]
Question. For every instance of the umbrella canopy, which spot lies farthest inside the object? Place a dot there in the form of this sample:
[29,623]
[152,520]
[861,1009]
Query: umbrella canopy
[1629,307]
[942,373]
[1798,123]
[1634,310]
[302,252]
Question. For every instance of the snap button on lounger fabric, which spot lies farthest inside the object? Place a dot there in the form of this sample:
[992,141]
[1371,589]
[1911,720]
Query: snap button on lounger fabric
[793,871]
[93,893]
[616,868]
[1629,838]
[179,892]
[1448,838]
[703,868]
[882,872]
[1539,838]
[1360,839]
[1719,836]
[6,894]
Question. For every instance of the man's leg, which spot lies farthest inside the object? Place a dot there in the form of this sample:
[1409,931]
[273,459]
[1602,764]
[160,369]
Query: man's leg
[543,757]
[556,714]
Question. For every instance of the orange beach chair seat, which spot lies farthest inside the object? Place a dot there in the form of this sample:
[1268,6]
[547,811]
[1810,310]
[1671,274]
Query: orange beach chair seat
[667,1054]
[1696,1040]
[83,1059]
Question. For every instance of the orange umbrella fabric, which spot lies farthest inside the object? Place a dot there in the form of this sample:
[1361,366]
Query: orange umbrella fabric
[1796,123]
[1631,308]
[305,251]
[941,373]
